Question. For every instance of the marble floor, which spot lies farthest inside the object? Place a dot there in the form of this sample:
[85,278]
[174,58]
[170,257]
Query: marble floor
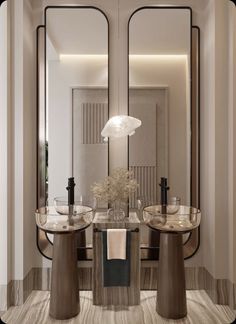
[201,310]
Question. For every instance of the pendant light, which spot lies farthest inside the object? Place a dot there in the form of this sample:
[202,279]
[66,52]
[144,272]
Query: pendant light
[120,125]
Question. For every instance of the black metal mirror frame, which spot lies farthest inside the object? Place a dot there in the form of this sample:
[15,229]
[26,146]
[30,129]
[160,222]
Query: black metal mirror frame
[44,245]
[192,244]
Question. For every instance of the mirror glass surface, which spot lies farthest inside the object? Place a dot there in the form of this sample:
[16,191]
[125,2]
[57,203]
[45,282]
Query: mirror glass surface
[160,95]
[76,99]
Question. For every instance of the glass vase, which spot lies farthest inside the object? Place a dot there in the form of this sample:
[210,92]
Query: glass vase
[116,212]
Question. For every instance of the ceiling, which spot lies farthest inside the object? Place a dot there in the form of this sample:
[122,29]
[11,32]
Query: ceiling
[85,32]
[160,32]
[77,31]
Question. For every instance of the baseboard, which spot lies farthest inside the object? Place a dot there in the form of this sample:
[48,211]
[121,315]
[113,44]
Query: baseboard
[148,280]
[16,292]
[149,277]
[42,278]
[4,297]
[221,291]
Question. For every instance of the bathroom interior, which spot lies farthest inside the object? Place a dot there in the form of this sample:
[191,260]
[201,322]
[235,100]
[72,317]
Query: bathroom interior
[117,161]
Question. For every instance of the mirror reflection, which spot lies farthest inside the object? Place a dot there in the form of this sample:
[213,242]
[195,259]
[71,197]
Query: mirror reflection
[76,41]
[160,96]
[76,99]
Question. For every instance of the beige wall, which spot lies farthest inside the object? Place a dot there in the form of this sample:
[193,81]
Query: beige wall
[23,131]
[217,168]
[232,146]
[29,135]
[5,144]
[221,138]
[207,136]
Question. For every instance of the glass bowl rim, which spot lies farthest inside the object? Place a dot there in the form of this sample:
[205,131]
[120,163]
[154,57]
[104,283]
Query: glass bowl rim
[195,211]
[51,210]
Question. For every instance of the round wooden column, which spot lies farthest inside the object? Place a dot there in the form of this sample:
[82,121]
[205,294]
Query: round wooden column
[64,301]
[171,295]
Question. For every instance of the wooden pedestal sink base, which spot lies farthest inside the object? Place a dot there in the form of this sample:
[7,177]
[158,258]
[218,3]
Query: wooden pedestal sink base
[64,301]
[171,295]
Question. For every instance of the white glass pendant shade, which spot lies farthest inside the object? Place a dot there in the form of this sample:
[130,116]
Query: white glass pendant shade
[120,126]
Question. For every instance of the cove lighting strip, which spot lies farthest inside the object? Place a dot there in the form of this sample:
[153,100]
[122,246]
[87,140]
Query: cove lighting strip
[82,56]
[159,56]
[131,56]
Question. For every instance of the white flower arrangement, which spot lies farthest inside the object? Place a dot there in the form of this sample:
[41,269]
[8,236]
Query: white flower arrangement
[116,187]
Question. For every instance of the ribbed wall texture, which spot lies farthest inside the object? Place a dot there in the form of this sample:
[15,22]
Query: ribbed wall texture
[146,177]
[94,117]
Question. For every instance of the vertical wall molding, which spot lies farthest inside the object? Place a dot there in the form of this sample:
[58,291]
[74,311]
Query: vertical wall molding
[5,156]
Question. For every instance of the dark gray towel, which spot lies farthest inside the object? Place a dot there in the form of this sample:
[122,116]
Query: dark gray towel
[116,272]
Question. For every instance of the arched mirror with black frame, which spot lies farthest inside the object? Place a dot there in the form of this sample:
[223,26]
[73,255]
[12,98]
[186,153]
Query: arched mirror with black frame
[163,79]
[73,107]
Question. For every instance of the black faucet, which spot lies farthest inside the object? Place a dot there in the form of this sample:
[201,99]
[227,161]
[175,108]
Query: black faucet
[71,191]
[71,199]
[164,189]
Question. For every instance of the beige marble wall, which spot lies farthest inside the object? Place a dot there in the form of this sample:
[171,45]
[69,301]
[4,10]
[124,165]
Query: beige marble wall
[221,291]
[19,290]
[149,275]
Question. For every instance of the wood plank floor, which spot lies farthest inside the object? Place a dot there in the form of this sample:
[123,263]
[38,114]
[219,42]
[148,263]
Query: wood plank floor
[201,310]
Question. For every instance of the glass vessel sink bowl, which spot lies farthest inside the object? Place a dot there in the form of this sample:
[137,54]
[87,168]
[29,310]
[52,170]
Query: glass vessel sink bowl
[61,203]
[55,219]
[177,219]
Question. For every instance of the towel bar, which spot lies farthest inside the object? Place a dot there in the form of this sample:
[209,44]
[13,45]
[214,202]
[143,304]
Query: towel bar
[95,230]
